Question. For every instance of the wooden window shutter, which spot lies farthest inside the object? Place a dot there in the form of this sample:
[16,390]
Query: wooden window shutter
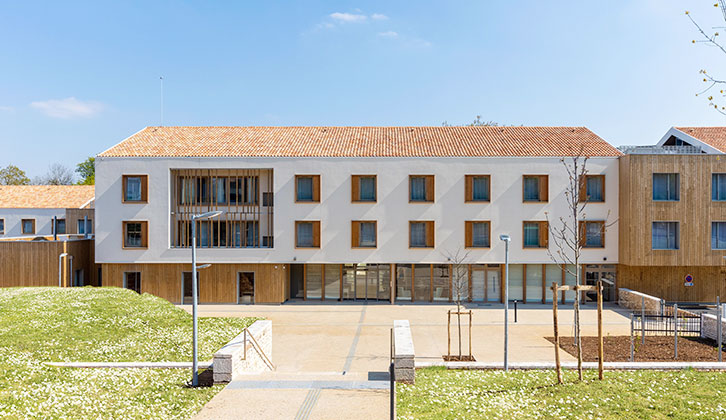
[583,189]
[543,234]
[355,234]
[430,234]
[355,188]
[124,183]
[469,189]
[144,188]
[316,234]
[316,188]
[430,188]
[145,234]
[469,226]
[582,227]
[544,188]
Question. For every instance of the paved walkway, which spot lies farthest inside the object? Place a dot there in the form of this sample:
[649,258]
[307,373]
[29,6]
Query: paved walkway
[332,359]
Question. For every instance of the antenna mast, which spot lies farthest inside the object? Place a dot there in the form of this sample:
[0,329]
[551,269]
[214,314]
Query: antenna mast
[161,105]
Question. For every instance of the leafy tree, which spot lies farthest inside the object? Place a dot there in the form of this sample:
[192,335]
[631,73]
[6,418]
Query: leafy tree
[12,175]
[87,171]
[57,174]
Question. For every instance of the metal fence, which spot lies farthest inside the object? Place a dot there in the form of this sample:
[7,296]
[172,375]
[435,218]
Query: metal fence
[667,325]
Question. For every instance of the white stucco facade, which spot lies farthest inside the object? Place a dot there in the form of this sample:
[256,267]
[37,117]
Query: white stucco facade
[43,220]
[392,211]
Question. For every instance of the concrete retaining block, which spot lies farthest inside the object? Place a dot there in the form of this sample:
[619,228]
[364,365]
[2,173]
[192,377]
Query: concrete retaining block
[635,301]
[404,357]
[709,327]
[240,355]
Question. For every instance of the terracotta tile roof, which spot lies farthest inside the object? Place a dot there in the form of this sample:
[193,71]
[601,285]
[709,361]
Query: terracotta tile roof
[45,196]
[360,142]
[713,136]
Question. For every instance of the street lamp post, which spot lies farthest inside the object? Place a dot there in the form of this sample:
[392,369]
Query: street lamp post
[203,216]
[506,240]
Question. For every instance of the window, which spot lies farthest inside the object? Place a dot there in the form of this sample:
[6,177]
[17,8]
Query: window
[82,226]
[535,188]
[593,189]
[60,226]
[267,242]
[363,188]
[421,188]
[363,234]
[718,235]
[132,281]
[477,188]
[307,234]
[267,199]
[135,188]
[421,234]
[477,234]
[718,187]
[307,188]
[2,226]
[592,234]
[665,235]
[536,234]
[665,187]
[135,234]
[27,226]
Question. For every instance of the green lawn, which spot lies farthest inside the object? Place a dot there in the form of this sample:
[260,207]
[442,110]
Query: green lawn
[462,394]
[100,324]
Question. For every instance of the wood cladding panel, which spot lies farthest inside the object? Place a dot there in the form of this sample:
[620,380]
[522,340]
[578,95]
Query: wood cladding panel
[694,212]
[74,215]
[217,284]
[35,263]
[667,282]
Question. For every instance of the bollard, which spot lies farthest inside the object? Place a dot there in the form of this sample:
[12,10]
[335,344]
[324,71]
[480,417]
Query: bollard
[642,322]
[675,330]
[515,311]
[392,377]
[632,345]
[719,315]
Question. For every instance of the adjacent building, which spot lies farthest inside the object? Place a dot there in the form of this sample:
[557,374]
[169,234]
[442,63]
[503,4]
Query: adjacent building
[348,213]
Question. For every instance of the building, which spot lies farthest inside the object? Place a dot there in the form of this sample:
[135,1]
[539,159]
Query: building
[344,213]
[46,235]
[673,216]
[28,211]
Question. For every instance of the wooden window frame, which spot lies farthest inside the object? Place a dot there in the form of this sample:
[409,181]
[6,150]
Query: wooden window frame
[355,189]
[678,235]
[355,226]
[469,188]
[544,238]
[144,234]
[430,186]
[583,233]
[678,187]
[316,234]
[22,226]
[54,226]
[144,189]
[2,228]
[430,234]
[583,189]
[316,188]
[469,234]
[543,183]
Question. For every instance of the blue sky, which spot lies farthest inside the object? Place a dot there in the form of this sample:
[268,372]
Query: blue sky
[78,77]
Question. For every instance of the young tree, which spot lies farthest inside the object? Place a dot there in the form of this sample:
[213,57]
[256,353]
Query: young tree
[567,235]
[87,171]
[478,122]
[459,283]
[712,82]
[12,175]
[57,174]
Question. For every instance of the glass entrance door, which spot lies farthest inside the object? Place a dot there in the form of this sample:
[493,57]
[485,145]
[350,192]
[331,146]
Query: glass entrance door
[493,286]
[187,296]
[477,285]
[372,282]
[245,287]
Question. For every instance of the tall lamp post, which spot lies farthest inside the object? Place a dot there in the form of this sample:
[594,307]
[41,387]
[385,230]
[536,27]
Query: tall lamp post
[506,240]
[203,216]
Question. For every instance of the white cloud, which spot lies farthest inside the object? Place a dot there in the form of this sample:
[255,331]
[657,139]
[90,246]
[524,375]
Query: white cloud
[68,108]
[348,17]
[388,34]
[6,108]
[379,16]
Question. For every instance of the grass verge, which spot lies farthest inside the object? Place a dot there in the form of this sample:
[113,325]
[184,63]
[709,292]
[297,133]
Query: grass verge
[103,325]
[461,394]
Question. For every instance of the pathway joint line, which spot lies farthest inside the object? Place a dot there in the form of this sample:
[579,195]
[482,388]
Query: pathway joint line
[308,404]
[351,352]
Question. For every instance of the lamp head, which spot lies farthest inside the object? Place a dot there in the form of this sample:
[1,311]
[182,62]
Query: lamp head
[207,215]
[505,238]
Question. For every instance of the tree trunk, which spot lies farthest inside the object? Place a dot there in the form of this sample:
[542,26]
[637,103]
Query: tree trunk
[458,320]
[577,323]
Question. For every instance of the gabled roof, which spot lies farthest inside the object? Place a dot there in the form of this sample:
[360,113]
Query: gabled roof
[361,142]
[45,196]
[715,137]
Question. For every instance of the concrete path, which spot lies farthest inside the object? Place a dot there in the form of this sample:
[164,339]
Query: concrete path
[332,359]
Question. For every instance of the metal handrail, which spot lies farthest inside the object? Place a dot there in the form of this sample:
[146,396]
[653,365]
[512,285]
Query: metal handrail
[257,347]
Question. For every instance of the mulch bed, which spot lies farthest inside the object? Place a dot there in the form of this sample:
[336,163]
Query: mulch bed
[459,359]
[656,349]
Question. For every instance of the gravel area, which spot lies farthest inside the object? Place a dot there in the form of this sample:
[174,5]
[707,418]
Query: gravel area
[656,349]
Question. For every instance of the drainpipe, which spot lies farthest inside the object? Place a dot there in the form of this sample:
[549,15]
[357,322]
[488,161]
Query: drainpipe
[85,226]
[70,270]
[60,268]
[55,228]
